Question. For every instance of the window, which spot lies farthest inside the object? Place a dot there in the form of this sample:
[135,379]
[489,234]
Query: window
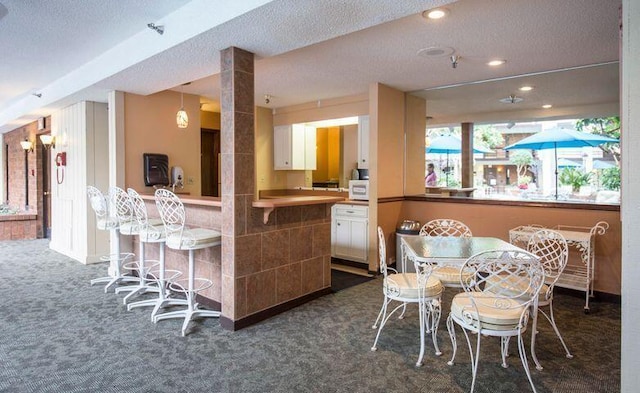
[585,174]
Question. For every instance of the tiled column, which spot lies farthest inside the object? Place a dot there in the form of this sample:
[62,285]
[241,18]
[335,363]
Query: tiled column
[467,155]
[237,147]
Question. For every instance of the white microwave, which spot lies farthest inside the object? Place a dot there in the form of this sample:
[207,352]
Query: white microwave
[359,190]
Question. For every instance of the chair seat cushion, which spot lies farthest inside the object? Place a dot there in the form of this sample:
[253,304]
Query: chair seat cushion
[107,223]
[194,238]
[494,312]
[449,275]
[128,228]
[152,234]
[407,285]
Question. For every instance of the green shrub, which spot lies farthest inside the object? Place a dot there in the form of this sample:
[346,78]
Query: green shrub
[574,178]
[611,179]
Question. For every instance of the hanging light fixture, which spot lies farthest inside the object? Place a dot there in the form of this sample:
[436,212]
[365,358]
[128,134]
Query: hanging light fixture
[182,119]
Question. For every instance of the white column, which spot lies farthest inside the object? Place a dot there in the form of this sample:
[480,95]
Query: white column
[116,163]
[630,207]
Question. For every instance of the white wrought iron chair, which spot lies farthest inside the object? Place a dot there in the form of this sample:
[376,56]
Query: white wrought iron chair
[128,226]
[449,276]
[179,237]
[104,221]
[419,288]
[152,231]
[552,250]
[500,290]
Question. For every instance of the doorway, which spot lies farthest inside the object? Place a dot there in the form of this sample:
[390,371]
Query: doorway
[46,191]
[210,161]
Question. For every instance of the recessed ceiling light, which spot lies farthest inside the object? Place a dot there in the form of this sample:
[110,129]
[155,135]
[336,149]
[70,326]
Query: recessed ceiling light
[526,88]
[436,51]
[547,106]
[436,13]
[495,63]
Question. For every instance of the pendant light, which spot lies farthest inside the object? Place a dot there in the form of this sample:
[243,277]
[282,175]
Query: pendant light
[182,119]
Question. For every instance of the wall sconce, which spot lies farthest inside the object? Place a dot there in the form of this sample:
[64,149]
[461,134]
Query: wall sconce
[27,145]
[49,141]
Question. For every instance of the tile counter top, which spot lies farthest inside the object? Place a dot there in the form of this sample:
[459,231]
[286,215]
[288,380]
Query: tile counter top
[190,200]
[271,203]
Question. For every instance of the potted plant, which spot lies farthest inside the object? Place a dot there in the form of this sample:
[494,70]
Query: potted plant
[574,178]
[523,182]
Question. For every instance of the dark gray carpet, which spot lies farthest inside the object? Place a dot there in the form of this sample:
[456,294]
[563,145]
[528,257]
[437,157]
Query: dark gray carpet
[58,334]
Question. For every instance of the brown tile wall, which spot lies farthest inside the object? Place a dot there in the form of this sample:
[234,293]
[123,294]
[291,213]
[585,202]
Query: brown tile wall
[208,260]
[16,169]
[17,227]
[263,265]
[284,259]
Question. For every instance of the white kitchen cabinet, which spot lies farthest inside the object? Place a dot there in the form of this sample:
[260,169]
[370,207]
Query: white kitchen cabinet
[294,147]
[363,142]
[349,232]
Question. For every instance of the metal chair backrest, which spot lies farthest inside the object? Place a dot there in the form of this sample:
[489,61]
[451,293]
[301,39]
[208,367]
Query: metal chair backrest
[445,227]
[552,250]
[98,202]
[423,269]
[506,274]
[171,212]
[139,207]
[100,206]
[382,252]
[121,203]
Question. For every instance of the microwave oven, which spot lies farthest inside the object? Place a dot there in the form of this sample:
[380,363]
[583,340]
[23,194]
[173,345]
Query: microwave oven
[359,190]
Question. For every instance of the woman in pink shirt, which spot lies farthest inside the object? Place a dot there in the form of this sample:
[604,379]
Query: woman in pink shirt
[431,179]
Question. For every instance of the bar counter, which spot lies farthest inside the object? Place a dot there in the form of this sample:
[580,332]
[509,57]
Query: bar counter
[202,212]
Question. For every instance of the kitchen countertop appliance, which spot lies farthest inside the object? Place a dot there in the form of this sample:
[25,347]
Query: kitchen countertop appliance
[408,228]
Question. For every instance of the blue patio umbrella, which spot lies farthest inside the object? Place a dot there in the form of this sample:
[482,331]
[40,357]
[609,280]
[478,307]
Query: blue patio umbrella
[560,137]
[450,144]
[565,163]
[598,164]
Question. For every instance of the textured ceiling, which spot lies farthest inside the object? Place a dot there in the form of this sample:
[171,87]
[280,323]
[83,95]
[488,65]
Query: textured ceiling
[306,50]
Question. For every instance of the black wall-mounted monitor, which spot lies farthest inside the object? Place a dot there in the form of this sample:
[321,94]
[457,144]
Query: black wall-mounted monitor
[156,169]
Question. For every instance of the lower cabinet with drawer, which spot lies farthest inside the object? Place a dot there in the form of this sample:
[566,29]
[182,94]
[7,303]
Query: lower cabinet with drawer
[350,232]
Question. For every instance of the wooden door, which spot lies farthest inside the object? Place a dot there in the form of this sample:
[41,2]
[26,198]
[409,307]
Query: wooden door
[209,164]
[46,192]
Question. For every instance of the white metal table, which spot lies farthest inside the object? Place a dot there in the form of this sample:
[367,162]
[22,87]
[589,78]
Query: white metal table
[453,250]
[579,276]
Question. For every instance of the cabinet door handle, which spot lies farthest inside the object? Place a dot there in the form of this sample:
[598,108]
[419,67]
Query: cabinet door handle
[338,224]
[363,160]
[350,211]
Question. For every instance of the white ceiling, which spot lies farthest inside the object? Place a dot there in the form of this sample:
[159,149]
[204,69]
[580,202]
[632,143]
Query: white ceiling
[308,50]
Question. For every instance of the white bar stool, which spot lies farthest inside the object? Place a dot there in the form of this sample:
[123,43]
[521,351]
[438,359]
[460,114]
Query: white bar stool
[152,231]
[105,222]
[129,226]
[180,238]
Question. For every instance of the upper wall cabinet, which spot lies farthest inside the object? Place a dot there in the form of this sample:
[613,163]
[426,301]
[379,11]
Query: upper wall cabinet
[294,147]
[363,142]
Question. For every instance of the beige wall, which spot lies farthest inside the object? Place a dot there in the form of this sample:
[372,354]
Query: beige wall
[210,120]
[416,124]
[349,152]
[386,158]
[335,108]
[266,177]
[150,127]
